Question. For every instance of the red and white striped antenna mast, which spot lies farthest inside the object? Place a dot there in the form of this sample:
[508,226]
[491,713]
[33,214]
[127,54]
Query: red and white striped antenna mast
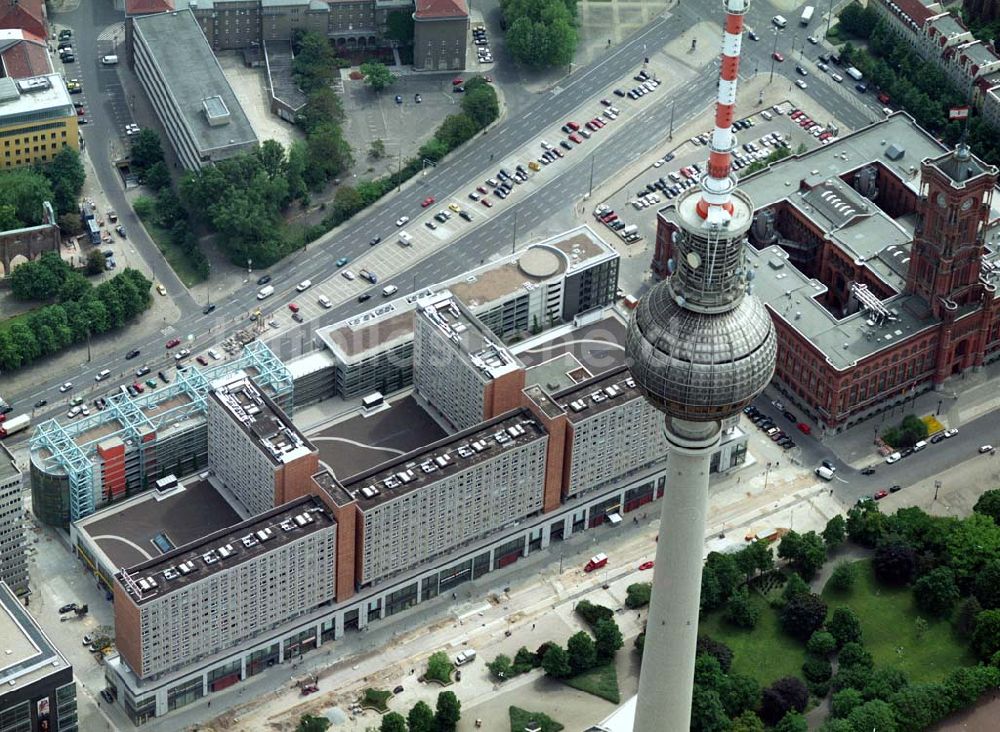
[717,185]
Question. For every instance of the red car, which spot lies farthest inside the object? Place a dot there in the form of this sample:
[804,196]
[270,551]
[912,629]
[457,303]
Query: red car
[486,202]
[456,82]
[138,387]
[427,202]
[80,111]
[777,56]
[576,138]
[795,114]
[573,126]
[804,428]
[646,565]
[173,342]
[202,360]
[482,189]
[598,122]
[880,494]
[293,307]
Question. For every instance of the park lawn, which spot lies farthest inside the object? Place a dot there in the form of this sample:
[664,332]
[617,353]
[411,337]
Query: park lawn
[600,681]
[174,255]
[6,323]
[888,622]
[519,719]
[765,653]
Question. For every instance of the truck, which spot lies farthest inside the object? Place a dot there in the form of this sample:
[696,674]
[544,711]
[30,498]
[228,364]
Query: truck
[14,425]
[405,239]
[265,292]
[596,562]
[807,14]
[464,657]
[630,229]
[854,73]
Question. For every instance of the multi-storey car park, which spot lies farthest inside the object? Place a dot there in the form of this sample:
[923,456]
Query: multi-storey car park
[521,445]
[877,259]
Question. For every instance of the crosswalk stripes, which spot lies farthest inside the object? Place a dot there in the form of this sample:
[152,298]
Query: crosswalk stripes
[116,30]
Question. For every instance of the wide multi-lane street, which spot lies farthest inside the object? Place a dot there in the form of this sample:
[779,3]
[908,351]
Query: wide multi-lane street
[684,95]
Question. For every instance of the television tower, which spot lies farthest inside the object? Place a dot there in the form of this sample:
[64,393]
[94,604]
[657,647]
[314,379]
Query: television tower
[700,347]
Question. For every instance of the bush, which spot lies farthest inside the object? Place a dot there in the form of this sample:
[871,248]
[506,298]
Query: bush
[895,561]
[638,595]
[803,615]
[885,681]
[844,701]
[854,654]
[792,722]
[835,532]
[556,662]
[607,639]
[501,668]
[439,667]
[794,585]
[722,653]
[845,626]
[965,617]
[740,611]
[986,637]
[524,661]
[817,669]
[784,695]
[581,651]
[821,643]
[592,612]
[843,577]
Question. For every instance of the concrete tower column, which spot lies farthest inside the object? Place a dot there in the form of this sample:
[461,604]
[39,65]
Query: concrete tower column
[665,682]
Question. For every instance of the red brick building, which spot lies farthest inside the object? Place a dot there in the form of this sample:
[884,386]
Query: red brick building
[874,262]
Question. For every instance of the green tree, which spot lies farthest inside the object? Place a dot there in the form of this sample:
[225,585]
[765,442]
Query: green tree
[39,279]
[74,287]
[854,654]
[377,150]
[876,715]
[965,617]
[803,615]
[707,712]
[456,129]
[792,722]
[843,577]
[421,718]
[835,532]
[607,639]
[500,667]
[556,662]
[805,552]
[449,711]
[24,191]
[989,505]
[592,612]
[857,20]
[157,176]
[794,585]
[309,723]
[146,150]
[393,722]
[711,594]
[740,611]
[66,175]
[919,706]
[885,681]
[346,202]
[821,643]
[69,223]
[719,650]
[817,669]
[936,592]
[739,694]
[439,666]
[95,261]
[9,220]
[986,586]
[377,75]
[329,153]
[708,673]
[844,626]
[638,594]
[581,651]
[747,722]
[986,637]
[323,105]
[480,103]
[865,523]
[755,557]
[399,26]
[843,702]
[314,66]
[895,561]
[783,696]
[971,545]
[726,572]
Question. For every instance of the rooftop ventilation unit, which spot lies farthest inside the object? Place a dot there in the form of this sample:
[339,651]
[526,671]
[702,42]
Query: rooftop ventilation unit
[226,551]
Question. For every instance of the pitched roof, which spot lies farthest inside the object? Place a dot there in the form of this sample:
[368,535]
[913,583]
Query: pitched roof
[429,9]
[26,14]
[916,10]
[24,56]
[147,7]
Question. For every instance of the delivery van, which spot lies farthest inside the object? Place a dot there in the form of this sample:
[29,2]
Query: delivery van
[596,562]
[630,229]
[824,472]
[109,60]
[102,375]
[464,657]
[853,73]
[389,290]
[405,239]
[265,292]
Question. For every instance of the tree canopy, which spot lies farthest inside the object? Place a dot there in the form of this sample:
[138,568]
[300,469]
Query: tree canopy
[377,75]
[540,33]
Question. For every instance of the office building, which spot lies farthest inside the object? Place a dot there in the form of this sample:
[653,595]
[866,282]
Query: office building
[37,119]
[440,35]
[255,451]
[190,94]
[89,462]
[859,274]
[459,369]
[249,578]
[38,688]
[13,562]
[549,283]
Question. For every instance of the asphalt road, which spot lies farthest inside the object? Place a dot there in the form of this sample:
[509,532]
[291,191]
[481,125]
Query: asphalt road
[561,191]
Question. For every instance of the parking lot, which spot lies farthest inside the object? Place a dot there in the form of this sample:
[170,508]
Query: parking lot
[679,167]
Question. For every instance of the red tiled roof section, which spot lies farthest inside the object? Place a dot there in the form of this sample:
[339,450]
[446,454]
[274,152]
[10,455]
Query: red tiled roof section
[442,9]
[917,11]
[25,60]
[147,7]
[26,14]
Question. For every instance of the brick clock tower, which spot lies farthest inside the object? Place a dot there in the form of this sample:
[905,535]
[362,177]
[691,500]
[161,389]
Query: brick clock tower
[946,257]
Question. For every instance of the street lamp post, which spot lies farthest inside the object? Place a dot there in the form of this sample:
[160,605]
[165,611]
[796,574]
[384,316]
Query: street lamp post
[670,134]
[937,487]
[591,189]
[774,50]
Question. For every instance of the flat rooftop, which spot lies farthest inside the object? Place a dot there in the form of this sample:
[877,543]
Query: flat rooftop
[27,654]
[267,427]
[452,454]
[359,443]
[192,74]
[8,465]
[591,397]
[469,338]
[563,357]
[147,526]
[279,58]
[34,98]
[371,332]
[224,549]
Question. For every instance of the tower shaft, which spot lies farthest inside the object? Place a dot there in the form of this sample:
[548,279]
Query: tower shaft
[666,681]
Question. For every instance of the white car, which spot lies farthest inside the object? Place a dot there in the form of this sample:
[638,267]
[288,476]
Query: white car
[893,458]
[658,163]
[800,84]
[347,275]
[986,448]
[182,354]
[74,411]
[213,354]
[951,432]
[66,387]
[813,40]
[303,285]
[402,220]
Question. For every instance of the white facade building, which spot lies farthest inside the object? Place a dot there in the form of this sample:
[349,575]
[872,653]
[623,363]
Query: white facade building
[13,563]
